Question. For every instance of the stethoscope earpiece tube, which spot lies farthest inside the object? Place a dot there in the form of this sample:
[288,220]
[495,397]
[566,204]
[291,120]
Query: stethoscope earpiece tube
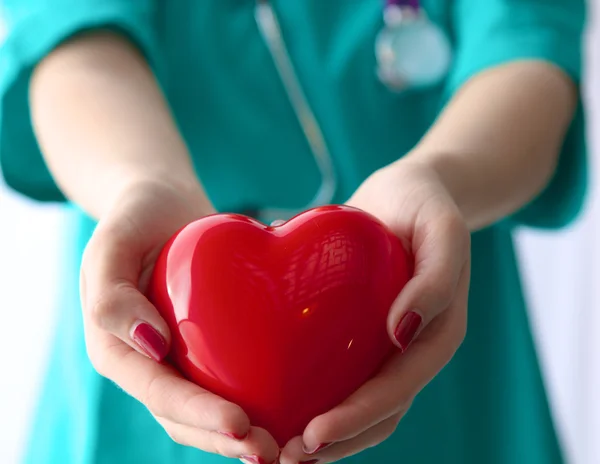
[271,31]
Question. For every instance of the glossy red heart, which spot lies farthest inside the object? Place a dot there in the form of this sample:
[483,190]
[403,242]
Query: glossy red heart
[285,321]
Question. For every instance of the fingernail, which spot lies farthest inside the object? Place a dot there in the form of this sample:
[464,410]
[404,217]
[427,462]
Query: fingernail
[234,436]
[149,340]
[253,459]
[407,329]
[320,447]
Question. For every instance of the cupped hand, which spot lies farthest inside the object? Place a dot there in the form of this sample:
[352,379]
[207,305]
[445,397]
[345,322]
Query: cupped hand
[126,337]
[427,322]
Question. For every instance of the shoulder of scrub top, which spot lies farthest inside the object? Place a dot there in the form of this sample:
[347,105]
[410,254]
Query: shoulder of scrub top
[494,32]
[32,29]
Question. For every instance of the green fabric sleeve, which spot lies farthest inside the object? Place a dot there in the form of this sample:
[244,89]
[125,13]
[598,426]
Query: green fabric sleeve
[493,32]
[33,29]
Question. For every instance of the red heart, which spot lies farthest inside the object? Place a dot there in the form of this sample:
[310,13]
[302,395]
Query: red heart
[285,321]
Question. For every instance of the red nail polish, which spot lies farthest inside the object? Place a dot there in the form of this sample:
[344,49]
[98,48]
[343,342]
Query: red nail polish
[407,329]
[149,340]
[317,449]
[234,436]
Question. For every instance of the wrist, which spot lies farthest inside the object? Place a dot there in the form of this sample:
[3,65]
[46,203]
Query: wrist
[450,171]
[462,182]
[185,189]
[485,191]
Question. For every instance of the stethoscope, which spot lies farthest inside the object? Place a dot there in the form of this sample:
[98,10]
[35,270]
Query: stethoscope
[411,52]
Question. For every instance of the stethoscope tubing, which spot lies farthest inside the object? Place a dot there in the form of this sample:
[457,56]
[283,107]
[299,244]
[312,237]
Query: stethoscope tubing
[269,27]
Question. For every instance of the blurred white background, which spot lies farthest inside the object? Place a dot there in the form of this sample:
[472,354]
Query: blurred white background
[564,296]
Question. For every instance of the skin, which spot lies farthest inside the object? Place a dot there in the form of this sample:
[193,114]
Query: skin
[491,151]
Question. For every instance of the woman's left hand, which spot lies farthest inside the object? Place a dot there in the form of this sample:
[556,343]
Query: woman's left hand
[430,314]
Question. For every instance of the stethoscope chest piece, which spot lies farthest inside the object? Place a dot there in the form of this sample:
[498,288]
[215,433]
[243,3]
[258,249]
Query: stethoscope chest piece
[411,50]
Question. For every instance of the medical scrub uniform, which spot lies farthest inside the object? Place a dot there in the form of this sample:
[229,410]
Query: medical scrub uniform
[489,404]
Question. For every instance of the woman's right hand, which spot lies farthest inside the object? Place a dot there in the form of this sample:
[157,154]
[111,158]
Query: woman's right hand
[127,339]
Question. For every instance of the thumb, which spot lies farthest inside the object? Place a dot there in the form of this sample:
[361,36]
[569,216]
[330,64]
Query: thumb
[441,254]
[112,301]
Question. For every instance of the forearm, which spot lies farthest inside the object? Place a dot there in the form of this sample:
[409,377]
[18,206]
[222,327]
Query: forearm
[103,124]
[497,143]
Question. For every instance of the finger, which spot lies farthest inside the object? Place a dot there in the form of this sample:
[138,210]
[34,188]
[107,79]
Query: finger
[293,452]
[441,248]
[395,386]
[164,392]
[257,448]
[111,300]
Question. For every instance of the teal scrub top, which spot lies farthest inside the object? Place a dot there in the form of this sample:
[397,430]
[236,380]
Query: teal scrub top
[489,404]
